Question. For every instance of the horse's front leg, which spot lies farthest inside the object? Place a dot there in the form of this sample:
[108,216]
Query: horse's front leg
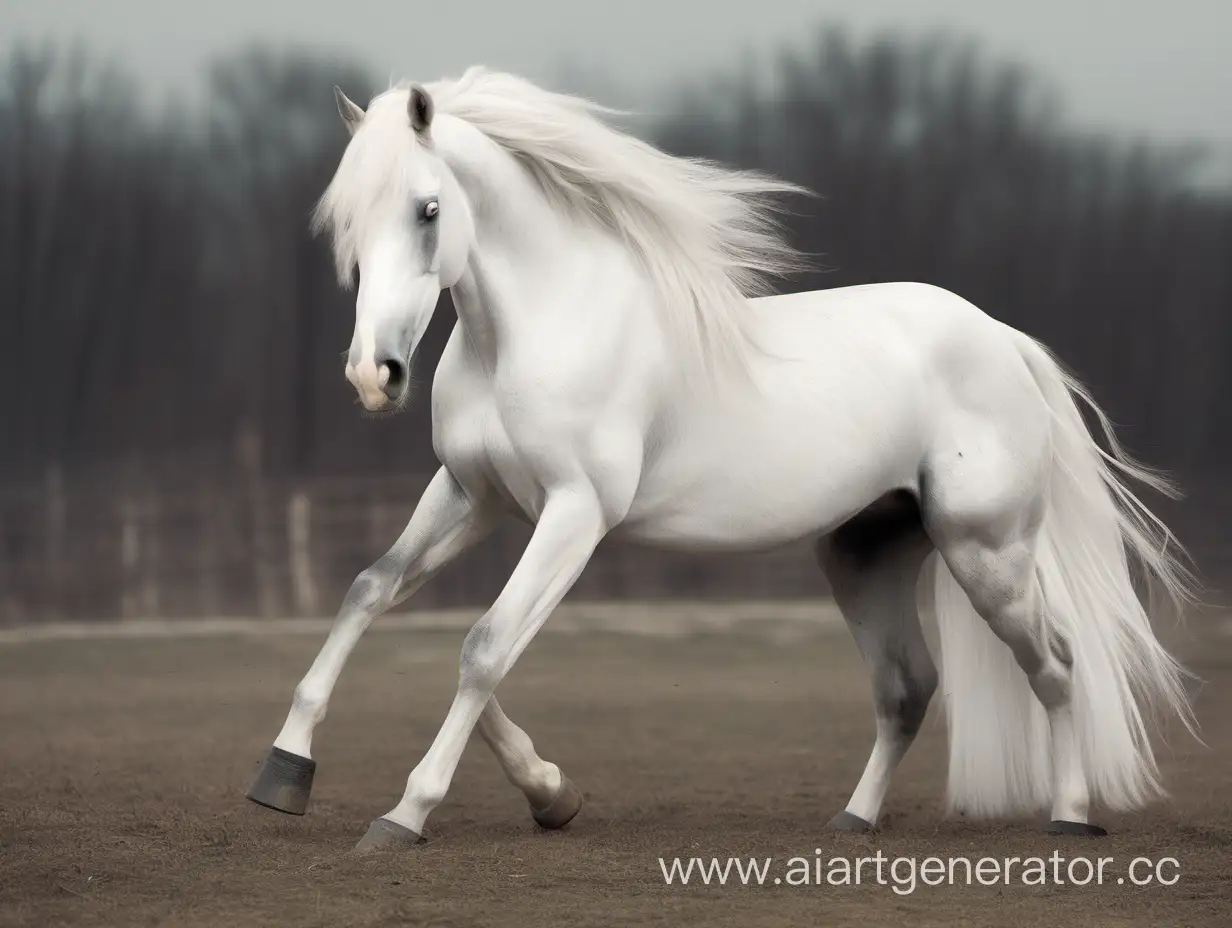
[571,525]
[444,525]
[554,800]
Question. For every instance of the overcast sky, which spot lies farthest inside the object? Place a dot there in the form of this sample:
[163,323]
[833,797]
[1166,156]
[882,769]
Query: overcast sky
[1161,67]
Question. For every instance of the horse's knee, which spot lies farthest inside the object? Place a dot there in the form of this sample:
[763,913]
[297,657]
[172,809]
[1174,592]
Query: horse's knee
[481,664]
[374,588]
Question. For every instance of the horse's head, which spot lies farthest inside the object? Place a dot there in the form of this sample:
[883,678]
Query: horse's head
[397,214]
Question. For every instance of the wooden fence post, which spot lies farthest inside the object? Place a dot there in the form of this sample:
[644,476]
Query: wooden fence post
[299,548]
[258,494]
[208,517]
[130,557]
[150,552]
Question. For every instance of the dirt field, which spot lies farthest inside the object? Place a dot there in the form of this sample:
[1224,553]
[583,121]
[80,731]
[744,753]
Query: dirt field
[123,765]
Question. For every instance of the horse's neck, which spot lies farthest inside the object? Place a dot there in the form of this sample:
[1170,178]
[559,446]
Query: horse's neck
[524,257]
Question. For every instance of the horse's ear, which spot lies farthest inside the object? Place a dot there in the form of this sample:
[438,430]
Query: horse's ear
[420,108]
[350,112]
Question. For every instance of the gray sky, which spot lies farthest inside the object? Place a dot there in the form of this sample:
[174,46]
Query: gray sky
[1144,66]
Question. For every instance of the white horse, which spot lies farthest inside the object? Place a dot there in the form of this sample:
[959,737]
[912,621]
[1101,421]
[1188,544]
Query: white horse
[609,374]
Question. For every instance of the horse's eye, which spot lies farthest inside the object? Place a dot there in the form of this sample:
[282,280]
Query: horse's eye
[430,210]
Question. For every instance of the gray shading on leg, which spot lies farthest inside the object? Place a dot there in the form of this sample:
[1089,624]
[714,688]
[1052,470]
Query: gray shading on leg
[873,564]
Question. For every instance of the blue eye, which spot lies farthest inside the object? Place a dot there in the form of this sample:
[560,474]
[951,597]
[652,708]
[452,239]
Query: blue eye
[430,211]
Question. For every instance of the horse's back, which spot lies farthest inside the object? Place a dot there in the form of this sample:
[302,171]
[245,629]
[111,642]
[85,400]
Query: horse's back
[931,318]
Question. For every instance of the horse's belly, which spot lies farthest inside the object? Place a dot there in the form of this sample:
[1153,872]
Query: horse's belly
[777,477]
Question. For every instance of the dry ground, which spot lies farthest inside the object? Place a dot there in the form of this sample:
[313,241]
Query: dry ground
[123,765]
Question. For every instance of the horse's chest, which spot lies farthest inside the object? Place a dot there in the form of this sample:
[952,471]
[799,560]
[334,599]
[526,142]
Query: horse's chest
[477,446]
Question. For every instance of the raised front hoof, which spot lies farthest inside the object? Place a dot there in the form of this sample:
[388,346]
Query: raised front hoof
[284,782]
[384,835]
[845,821]
[1082,829]
[561,810]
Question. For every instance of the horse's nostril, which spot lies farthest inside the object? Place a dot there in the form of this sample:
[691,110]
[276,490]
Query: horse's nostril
[393,378]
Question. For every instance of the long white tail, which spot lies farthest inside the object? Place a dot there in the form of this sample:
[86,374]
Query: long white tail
[1095,528]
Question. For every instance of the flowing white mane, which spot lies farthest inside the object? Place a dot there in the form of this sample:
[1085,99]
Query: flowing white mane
[706,235]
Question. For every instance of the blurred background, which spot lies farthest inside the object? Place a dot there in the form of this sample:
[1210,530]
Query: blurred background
[176,435]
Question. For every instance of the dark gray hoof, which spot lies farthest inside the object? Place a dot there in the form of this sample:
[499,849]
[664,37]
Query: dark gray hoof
[1083,829]
[561,810]
[384,835]
[284,782]
[845,821]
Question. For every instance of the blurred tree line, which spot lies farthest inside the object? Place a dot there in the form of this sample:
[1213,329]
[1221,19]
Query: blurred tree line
[159,290]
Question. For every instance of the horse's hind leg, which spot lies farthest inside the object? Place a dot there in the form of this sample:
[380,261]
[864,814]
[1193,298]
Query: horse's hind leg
[873,565]
[1000,581]
[984,513]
